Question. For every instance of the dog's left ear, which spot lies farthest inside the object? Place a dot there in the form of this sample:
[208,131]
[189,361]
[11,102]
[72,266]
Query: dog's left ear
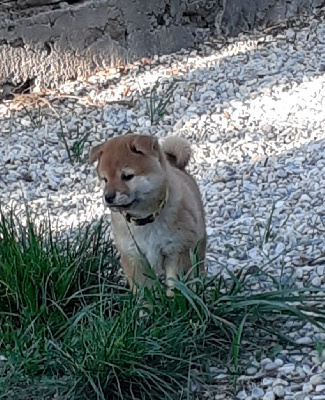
[145,145]
[95,153]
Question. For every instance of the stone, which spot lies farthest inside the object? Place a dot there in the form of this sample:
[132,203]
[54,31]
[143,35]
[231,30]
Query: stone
[257,393]
[269,396]
[306,198]
[299,396]
[280,382]
[287,368]
[251,370]
[278,391]
[316,380]
[290,34]
[241,395]
[307,387]
[214,138]
[305,340]
[320,388]
[271,366]
[316,281]
[279,362]
[267,381]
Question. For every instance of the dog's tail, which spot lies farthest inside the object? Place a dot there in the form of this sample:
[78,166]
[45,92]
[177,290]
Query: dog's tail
[178,151]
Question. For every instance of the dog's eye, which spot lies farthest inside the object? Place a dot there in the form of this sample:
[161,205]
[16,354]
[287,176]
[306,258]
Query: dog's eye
[127,177]
[104,179]
[135,150]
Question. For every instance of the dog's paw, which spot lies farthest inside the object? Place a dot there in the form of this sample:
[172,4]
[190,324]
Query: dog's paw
[146,310]
[143,313]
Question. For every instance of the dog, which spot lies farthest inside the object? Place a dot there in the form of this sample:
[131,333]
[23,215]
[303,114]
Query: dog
[156,206]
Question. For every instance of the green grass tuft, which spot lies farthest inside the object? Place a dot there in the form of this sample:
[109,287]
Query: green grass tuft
[69,327]
[36,116]
[74,145]
[156,105]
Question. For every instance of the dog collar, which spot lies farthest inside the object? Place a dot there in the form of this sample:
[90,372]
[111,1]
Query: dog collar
[150,218]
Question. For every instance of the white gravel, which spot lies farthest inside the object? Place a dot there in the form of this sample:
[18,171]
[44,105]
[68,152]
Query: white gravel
[254,110]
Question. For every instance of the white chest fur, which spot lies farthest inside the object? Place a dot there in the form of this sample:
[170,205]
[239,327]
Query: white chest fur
[155,241]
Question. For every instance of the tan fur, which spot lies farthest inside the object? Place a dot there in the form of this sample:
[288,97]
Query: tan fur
[178,151]
[166,242]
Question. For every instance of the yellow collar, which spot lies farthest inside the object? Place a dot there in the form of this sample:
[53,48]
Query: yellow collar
[150,218]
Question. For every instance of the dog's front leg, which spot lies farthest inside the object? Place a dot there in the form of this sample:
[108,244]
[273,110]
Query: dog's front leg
[135,272]
[173,265]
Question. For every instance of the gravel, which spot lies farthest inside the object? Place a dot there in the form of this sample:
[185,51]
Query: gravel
[253,109]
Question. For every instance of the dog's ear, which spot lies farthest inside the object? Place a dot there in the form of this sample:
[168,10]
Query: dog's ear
[95,153]
[145,145]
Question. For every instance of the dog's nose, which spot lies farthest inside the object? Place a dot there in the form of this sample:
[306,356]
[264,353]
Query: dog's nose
[109,197]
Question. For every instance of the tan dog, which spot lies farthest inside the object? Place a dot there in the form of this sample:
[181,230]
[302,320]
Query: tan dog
[156,205]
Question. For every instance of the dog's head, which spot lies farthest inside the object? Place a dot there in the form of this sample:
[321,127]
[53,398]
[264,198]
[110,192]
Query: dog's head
[132,169]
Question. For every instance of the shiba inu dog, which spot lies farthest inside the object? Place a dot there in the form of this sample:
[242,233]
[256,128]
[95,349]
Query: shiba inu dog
[156,205]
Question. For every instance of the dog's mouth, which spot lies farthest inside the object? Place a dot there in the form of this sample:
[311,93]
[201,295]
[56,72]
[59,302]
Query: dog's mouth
[121,206]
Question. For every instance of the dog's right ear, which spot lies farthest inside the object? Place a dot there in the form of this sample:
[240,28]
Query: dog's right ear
[143,144]
[95,153]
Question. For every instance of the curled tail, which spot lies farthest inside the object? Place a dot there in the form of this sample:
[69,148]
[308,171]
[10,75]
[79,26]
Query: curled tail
[178,151]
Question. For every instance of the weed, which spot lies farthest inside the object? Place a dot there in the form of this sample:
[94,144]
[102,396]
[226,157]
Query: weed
[265,236]
[75,150]
[37,118]
[156,106]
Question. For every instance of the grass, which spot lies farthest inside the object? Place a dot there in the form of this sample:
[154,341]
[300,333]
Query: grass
[156,106]
[76,149]
[37,117]
[69,327]
[74,143]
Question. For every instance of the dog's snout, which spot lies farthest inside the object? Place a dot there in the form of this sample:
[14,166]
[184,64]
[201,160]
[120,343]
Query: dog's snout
[109,197]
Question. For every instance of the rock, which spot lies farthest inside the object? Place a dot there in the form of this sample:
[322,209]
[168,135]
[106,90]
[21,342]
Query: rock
[307,387]
[290,34]
[316,380]
[319,337]
[287,368]
[299,396]
[304,340]
[257,393]
[278,391]
[306,198]
[241,395]
[271,366]
[269,396]
[251,370]
[267,128]
[320,388]
[267,382]
[280,382]
[316,281]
